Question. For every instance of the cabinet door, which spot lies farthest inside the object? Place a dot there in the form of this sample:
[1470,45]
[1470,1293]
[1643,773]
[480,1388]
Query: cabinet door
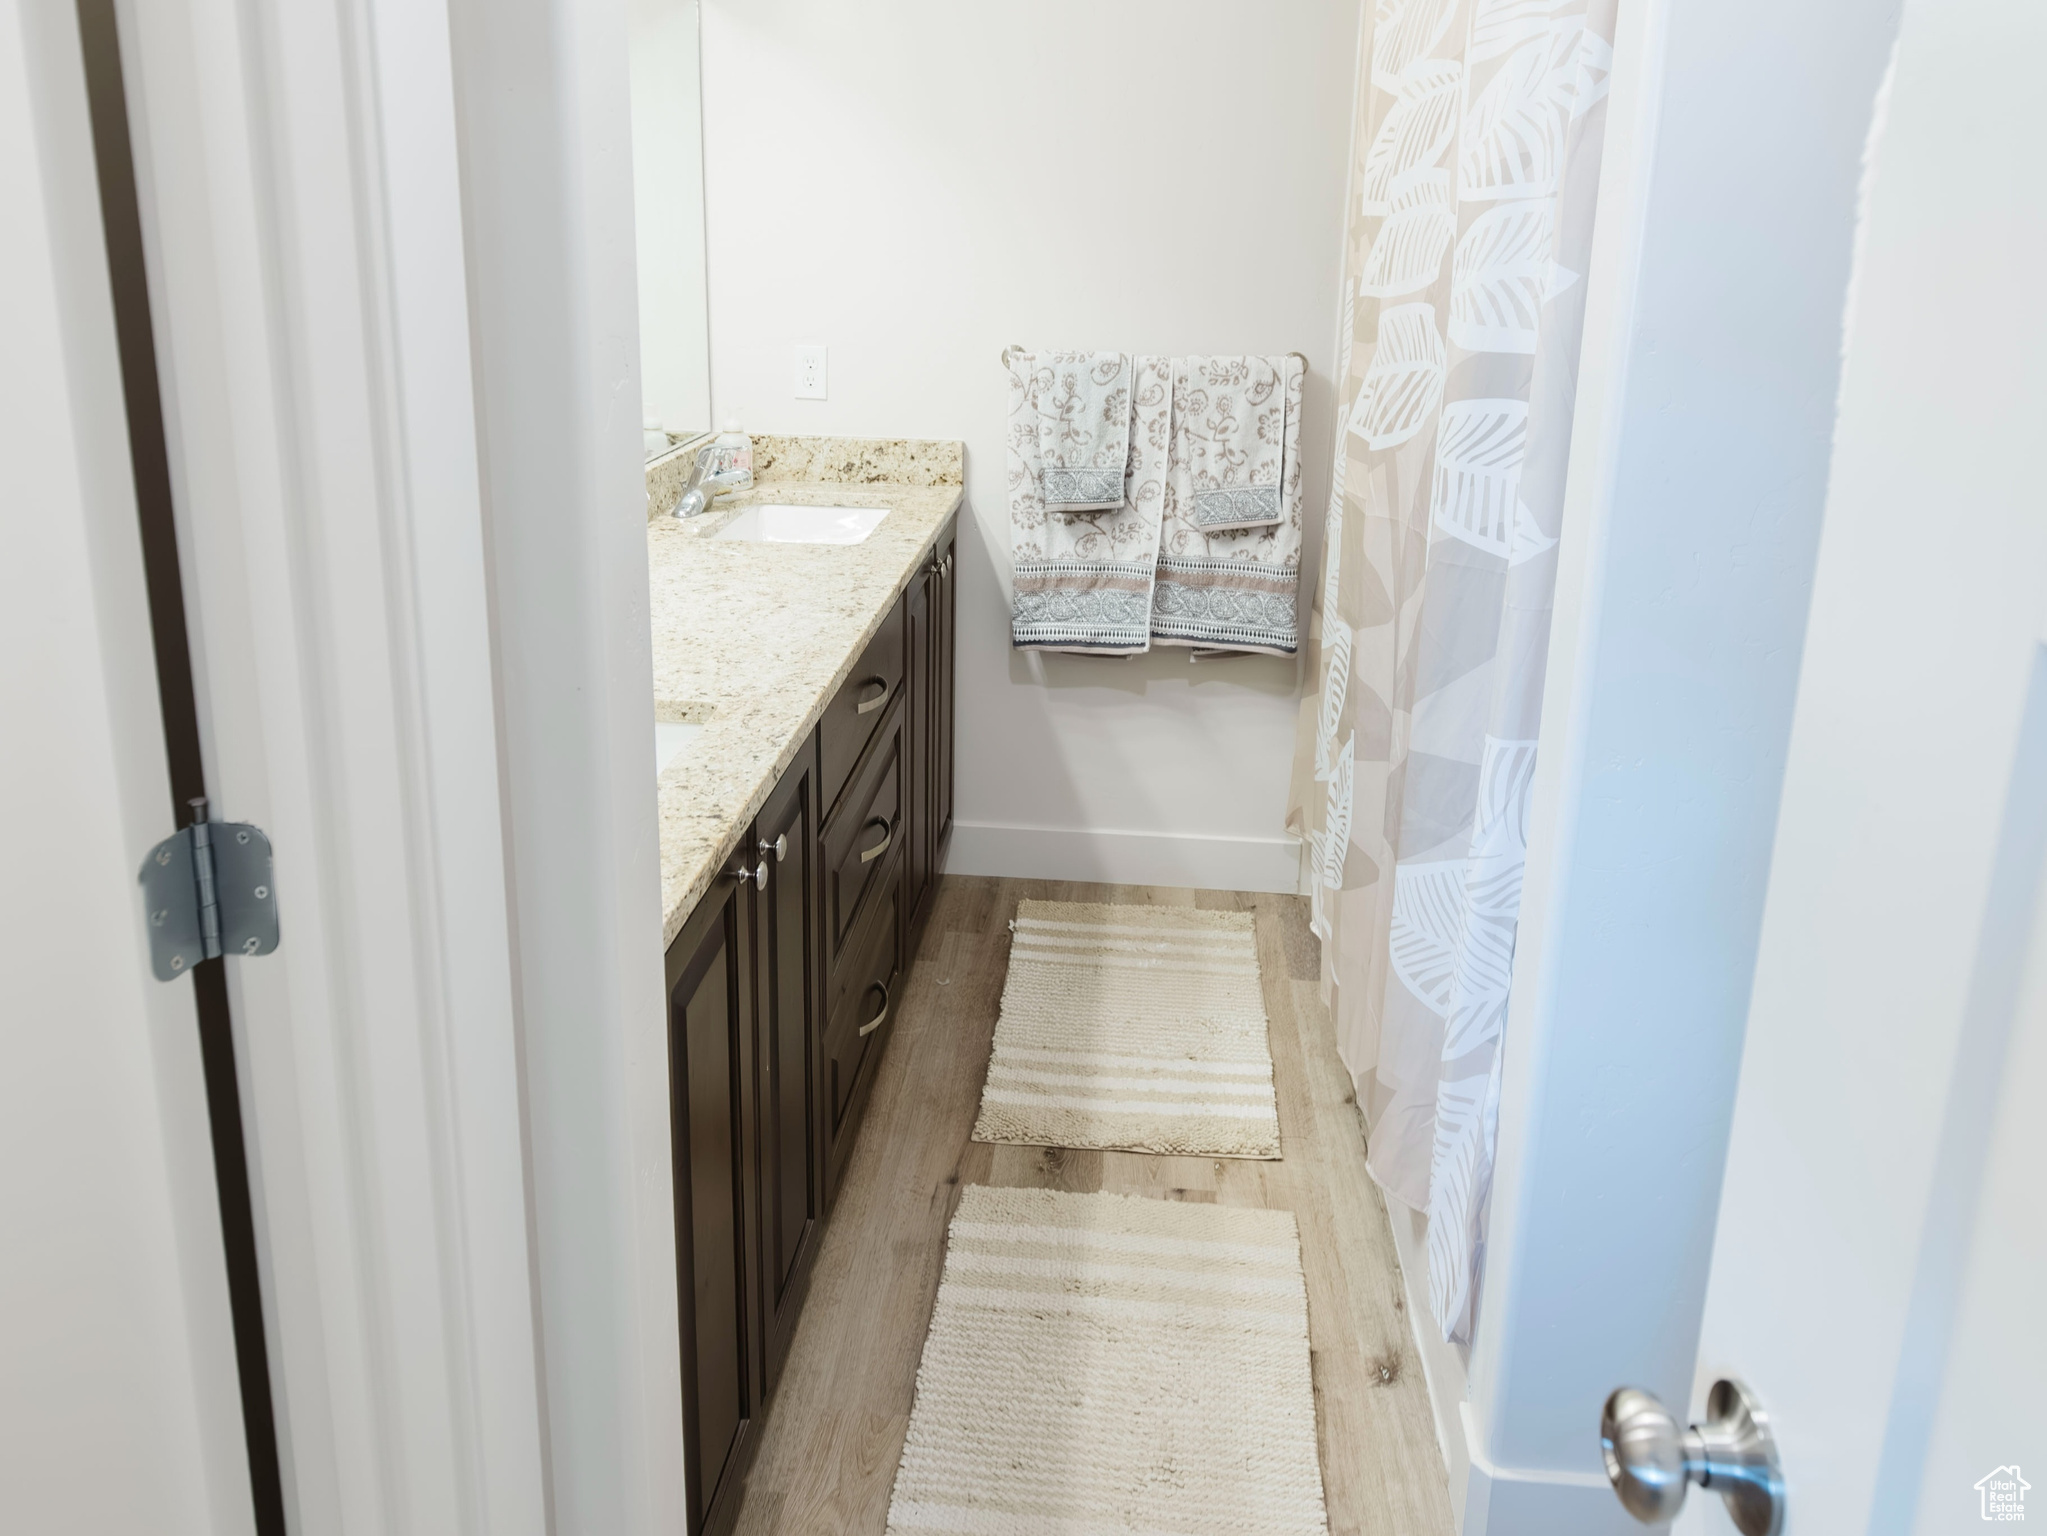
[920,607]
[711,1097]
[945,642]
[791,1006]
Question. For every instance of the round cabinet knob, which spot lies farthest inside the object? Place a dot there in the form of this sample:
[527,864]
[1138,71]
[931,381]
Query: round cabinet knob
[1652,1459]
[779,847]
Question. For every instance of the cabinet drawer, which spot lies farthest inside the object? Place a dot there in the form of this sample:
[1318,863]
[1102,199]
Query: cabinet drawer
[862,1003]
[862,837]
[861,705]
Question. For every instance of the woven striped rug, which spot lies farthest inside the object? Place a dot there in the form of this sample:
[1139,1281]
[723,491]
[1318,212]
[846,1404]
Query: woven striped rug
[1134,1027]
[1100,1365]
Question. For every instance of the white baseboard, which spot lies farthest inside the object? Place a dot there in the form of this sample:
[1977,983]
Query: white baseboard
[1443,1364]
[1524,1501]
[1125,858]
[1486,1499]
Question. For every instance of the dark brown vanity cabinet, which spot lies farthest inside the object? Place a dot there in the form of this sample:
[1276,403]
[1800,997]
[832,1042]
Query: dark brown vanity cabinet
[855,711]
[919,613]
[782,987]
[863,836]
[864,854]
[712,1041]
[864,992]
[788,939]
[930,624]
[939,731]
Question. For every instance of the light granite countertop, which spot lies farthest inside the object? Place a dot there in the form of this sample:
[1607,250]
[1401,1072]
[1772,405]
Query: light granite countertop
[753,640]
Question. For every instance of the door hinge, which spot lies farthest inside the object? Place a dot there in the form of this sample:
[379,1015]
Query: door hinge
[208,891]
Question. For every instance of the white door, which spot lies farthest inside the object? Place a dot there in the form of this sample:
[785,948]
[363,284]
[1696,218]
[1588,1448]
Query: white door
[301,217]
[119,1404]
[1881,1252]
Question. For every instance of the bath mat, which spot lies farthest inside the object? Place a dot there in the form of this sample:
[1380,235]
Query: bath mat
[1140,1028]
[1102,1364]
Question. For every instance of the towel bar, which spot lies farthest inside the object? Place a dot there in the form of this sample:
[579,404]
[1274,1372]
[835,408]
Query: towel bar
[1300,357]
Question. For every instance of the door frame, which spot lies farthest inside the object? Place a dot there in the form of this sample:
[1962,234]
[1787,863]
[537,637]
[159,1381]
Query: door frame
[1721,259]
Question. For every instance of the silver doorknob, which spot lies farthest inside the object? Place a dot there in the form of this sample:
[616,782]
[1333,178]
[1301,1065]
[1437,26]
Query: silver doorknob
[1651,1459]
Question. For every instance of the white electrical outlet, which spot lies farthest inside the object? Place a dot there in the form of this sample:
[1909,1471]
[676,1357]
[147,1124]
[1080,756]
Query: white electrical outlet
[810,373]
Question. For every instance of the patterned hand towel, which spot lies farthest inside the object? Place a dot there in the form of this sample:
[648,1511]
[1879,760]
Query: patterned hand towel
[1230,590]
[1083,410]
[1229,419]
[1084,581]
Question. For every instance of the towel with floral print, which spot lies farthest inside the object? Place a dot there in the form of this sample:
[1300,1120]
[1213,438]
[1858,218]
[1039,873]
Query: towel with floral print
[1229,429]
[1083,409]
[1231,587]
[1083,581]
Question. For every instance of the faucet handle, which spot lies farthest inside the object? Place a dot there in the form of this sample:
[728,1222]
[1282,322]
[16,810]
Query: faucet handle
[695,499]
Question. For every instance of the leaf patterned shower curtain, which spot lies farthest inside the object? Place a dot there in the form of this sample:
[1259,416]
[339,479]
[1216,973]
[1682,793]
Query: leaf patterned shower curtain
[1474,168]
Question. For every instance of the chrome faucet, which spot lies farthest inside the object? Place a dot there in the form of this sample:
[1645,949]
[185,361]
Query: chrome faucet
[696,496]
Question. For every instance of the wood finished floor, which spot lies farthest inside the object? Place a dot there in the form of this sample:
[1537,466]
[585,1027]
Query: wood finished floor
[829,1447]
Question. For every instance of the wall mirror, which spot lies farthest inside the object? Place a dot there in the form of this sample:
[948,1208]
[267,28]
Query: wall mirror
[668,214]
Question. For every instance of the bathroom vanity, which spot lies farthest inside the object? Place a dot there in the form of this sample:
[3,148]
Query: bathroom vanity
[803,825]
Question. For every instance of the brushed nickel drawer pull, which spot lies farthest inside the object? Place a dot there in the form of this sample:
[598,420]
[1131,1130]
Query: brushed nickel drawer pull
[779,847]
[869,706]
[888,835]
[882,1017]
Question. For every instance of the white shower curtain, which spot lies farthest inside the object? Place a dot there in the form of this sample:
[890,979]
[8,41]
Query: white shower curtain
[1474,167]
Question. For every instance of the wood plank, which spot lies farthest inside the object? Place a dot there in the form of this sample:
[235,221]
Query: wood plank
[833,1435]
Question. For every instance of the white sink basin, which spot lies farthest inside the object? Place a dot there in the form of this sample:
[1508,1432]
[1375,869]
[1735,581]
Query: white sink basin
[803,525]
[671,738]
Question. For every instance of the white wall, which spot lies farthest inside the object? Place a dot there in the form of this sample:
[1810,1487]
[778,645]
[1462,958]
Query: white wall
[914,184]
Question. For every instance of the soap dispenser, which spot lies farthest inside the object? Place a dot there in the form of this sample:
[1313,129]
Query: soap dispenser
[732,459]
